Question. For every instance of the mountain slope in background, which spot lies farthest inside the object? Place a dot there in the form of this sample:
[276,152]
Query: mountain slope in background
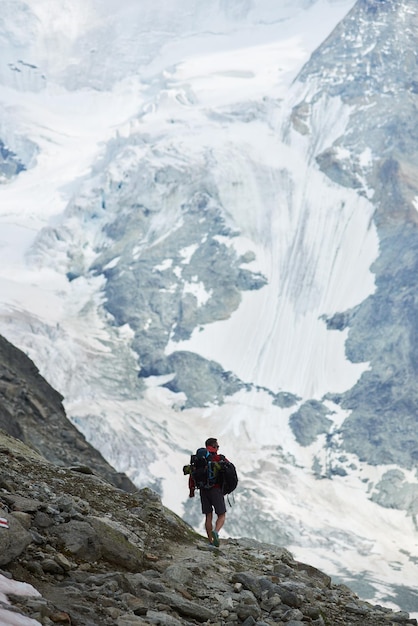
[205,231]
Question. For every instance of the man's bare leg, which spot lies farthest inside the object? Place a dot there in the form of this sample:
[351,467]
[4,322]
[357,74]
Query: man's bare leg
[208,526]
[220,522]
[215,533]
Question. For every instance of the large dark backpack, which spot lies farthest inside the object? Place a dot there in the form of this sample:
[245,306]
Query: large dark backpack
[227,477]
[206,472]
[202,469]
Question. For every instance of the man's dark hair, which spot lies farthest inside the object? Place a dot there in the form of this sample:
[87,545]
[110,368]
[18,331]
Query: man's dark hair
[212,442]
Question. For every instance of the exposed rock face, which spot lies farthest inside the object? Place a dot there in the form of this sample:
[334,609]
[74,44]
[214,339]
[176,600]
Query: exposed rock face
[31,410]
[99,556]
[10,165]
[187,278]
[368,64]
[309,421]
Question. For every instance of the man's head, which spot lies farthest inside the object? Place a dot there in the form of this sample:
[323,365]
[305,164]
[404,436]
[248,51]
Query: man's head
[212,442]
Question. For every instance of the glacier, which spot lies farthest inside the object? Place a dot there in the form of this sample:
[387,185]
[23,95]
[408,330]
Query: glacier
[163,169]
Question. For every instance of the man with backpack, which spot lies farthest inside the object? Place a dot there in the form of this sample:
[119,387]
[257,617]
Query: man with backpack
[205,475]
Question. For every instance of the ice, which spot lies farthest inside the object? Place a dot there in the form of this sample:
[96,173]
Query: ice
[10,586]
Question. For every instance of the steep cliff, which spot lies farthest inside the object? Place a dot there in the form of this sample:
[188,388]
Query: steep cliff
[32,411]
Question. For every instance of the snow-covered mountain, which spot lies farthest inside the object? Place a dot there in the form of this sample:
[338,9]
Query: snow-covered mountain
[208,227]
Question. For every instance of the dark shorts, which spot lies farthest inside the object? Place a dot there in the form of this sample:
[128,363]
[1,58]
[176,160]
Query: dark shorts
[212,499]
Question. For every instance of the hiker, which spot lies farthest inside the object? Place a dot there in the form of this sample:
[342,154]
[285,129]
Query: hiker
[211,496]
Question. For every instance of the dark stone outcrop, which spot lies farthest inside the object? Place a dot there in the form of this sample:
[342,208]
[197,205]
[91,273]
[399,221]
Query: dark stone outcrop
[32,411]
[309,421]
[10,164]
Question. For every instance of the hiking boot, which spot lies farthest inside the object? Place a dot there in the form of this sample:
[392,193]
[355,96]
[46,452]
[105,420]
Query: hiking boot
[215,538]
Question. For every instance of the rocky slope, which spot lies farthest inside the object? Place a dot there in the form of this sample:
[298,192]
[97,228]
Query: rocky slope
[99,556]
[32,411]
